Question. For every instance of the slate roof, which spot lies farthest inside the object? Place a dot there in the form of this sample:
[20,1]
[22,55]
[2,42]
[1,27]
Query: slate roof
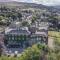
[18,32]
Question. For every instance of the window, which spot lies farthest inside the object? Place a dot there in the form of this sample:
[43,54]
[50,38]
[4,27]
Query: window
[24,37]
[13,38]
[19,38]
[9,38]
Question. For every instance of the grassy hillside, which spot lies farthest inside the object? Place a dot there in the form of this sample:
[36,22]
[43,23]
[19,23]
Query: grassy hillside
[56,38]
[54,34]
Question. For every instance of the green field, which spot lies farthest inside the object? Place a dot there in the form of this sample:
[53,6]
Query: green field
[54,34]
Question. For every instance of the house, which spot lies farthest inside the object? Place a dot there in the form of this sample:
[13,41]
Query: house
[23,37]
[39,37]
[16,37]
[38,34]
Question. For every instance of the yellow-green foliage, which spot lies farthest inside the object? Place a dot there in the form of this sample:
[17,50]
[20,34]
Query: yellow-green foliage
[54,34]
[31,53]
[35,53]
[8,58]
[56,37]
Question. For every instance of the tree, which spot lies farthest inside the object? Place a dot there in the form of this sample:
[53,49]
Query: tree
[33,53]
[1,18]
[34,19]
[1,50]
[25,23]
[19,15]
[13,16]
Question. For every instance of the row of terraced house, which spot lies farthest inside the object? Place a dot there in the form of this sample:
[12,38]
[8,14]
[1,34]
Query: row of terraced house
[17,38]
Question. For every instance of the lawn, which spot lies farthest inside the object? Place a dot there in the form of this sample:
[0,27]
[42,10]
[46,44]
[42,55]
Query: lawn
[54,34]
[56,38]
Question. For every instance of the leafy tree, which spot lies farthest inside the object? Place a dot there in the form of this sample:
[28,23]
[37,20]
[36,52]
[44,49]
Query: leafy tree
[19,15]
[25,23]
[34,19]
[33,53]
[1,18]
[13,16]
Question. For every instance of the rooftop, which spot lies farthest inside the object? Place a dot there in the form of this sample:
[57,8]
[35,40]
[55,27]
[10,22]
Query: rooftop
[21,31]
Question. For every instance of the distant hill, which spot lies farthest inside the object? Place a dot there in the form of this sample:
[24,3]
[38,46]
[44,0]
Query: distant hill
[22,4]
[5,0]
[57,7]
[10,3]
